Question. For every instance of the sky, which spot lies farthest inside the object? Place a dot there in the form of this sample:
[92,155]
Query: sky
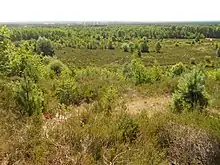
[109,10]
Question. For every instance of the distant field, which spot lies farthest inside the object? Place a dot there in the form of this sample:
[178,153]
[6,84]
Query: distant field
[170,54]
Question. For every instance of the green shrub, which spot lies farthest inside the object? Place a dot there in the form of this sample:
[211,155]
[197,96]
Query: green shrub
[197,39]
[137,72]
[110,45]
[67,92]
[125,47]
[191,93]
[218,52]
[158,47]
[108,101]
[155,72]
[86,87]
[144,47]
[47,59]
[137,53]
[216,46]
[128,128]
[91,45]
[131,47]
[44,45]
[217,75]
[28,97]
[57,67]
[178,69]
[208,61]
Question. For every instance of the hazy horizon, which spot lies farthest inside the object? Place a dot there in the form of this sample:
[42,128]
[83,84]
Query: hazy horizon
[109,11]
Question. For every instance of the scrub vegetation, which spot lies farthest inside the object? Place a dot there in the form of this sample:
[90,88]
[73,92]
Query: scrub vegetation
[117,94]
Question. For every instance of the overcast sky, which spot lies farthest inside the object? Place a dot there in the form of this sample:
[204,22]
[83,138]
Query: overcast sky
[109,10]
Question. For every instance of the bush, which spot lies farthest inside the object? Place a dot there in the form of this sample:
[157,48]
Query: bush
[125,47]
[108,100]
[28,97]
[57,67]
[217,75]
[131,47]
[178,69]
[218,52]
[137,53]
[191,93]
[110,45]
[158,47]
[208,61]
[137,72]
[46,60]
[188,145]
[67,92]
[216,46]
[155,72]
[144,47]
[44,45]
[84,88]
[128,128]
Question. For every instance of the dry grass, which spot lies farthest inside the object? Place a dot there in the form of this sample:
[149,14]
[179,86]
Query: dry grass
[150,104]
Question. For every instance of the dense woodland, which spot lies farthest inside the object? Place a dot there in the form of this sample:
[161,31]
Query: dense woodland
[117,94]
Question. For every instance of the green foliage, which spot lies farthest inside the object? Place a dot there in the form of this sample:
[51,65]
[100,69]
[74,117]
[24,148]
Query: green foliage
[24,62]
[86,87]
[57,67]
[144,47]
[128,128]
[216,46]
[197,39]
[29,97]
[178,69]
[218,52]
[137,72]
[217,75]
[137,53]
[5,46]
[97,101]
[92,45]
[108,101]
[46,60]
[155,72]
[191,93]
[44,45]
[125,47]
[208,61]
[131,47]
[110,45]
[158,47]
[67,91]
